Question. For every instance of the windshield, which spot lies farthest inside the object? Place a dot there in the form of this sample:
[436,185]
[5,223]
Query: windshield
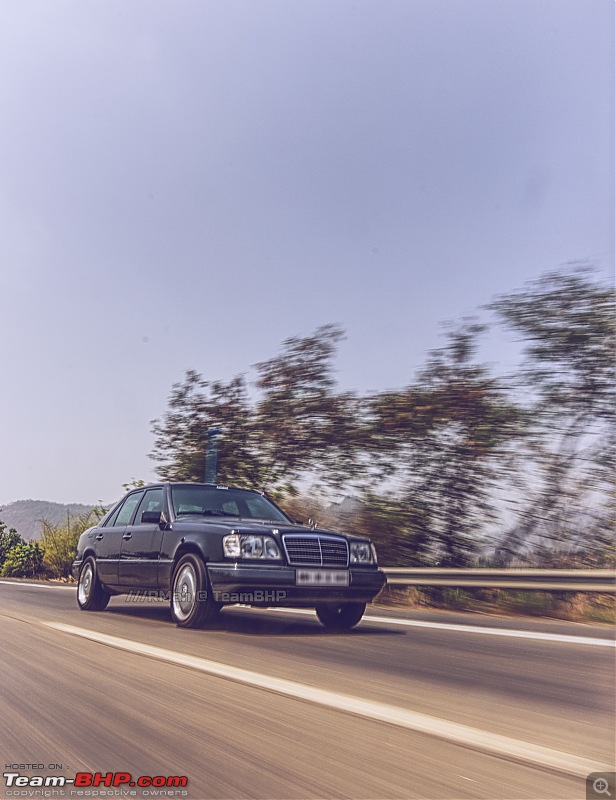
[209,501]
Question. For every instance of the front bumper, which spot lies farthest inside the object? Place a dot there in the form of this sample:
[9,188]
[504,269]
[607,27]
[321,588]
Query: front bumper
[275,585]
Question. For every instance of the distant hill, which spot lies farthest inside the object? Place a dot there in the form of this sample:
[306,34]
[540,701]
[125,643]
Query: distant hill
[25,515]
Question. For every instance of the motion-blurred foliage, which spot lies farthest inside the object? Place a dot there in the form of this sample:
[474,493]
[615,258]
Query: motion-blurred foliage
[458,465]
[567,500]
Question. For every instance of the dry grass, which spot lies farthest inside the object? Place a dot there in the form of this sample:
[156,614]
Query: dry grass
[573,606]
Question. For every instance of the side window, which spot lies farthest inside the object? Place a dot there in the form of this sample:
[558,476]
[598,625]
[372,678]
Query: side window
[111,521]
[126,512]
[152,501]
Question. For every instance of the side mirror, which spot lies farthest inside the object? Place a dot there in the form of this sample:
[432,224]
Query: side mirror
[154,518]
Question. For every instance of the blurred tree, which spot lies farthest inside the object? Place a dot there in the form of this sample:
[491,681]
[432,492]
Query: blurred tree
[298,425]
[444,441]
[399,526]
[304,426]
[195,406]
[133,483]
[567,320]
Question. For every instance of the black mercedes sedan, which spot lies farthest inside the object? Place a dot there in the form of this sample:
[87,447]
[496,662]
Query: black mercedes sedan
[204,546]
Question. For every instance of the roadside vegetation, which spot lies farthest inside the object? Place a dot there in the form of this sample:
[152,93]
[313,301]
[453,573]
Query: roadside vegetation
[588,607]
[49,557]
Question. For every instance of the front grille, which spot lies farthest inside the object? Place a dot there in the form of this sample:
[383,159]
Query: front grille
[318,551]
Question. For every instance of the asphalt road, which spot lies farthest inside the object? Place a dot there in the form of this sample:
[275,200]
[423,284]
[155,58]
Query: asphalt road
[374,713]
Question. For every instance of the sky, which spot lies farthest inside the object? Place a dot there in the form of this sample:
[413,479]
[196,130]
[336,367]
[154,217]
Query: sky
[183,185]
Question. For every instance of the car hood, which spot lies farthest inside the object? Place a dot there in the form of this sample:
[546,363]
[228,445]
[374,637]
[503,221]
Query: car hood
[253,526]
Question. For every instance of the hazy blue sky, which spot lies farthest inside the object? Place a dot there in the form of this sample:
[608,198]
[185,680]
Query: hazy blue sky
[185,184]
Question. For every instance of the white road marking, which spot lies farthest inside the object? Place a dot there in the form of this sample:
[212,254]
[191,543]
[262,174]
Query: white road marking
[446,626]
[41,585]
[409,623]
[494,743]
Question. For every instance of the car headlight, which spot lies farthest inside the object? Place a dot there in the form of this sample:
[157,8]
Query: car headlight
[249,545]
[231,545]
[362,553]
[270,548]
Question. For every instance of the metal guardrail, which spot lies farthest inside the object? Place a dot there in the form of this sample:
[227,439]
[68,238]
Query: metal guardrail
[545,580]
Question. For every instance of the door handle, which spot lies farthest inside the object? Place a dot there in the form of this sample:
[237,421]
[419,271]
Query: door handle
[99,536]
[128,535]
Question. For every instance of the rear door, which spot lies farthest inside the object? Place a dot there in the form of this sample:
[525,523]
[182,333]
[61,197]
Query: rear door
[109,539]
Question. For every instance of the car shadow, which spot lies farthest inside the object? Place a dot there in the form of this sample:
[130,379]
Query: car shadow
[245,621]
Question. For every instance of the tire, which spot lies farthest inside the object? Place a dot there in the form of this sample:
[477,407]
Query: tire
[342,617]
[91,596]
[192,604]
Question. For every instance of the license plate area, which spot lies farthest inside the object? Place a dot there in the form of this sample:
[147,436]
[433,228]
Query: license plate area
[321,577]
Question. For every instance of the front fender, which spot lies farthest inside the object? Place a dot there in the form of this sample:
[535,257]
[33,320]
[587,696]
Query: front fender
[207,545]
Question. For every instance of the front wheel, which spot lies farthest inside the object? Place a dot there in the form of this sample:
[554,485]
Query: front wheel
[91,596]
[192,604]
[342,617]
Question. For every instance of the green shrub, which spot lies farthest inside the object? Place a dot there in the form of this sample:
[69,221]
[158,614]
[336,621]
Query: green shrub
[24,560]
[8,539]
[60,544]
